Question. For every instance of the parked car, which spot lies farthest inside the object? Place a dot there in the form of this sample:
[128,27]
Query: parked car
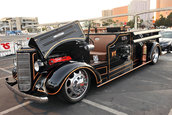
[64,61]
[16,32]
[166,40]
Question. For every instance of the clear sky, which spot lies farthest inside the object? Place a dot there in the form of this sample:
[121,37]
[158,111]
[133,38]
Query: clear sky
[49,11]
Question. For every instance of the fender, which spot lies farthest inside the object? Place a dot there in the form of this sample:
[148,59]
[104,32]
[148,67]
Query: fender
[154,44]
[58,78]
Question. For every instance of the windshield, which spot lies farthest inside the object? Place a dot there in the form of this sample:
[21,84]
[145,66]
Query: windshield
[166,34]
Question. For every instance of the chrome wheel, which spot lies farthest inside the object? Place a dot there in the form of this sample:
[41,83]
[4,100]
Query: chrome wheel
[155,55]
[77,85]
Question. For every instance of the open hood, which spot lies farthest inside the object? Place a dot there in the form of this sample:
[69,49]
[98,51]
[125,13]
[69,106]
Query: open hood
[45,43]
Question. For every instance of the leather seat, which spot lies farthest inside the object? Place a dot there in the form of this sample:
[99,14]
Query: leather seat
[100,43]
[101,55]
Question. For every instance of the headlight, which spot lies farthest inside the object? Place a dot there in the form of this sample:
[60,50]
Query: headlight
[36,66]
[15,62]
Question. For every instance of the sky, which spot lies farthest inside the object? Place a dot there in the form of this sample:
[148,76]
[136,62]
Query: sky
[49,11]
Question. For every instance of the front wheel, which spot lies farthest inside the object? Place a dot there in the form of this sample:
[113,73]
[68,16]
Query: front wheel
[155,55]
[76,86]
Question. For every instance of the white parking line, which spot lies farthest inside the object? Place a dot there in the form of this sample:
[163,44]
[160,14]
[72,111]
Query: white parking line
[105,108]
[3,78]
[6,59]
[163,53]
[8,67]
[170,113]
[5,70]
[15,107]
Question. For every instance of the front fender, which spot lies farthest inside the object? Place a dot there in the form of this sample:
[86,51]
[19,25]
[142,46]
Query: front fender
[58,78]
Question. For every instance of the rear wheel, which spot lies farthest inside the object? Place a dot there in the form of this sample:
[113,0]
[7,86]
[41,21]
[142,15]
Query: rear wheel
[76,86]
[155,55]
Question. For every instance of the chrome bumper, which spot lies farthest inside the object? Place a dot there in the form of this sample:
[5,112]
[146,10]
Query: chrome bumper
[10,85]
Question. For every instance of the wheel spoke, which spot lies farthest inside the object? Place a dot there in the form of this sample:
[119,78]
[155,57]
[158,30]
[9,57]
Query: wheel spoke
[70,93]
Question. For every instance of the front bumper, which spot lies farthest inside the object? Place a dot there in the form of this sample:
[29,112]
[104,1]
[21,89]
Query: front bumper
[11,85]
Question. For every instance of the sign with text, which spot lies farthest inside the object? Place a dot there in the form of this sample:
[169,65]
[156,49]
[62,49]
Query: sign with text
[5,46]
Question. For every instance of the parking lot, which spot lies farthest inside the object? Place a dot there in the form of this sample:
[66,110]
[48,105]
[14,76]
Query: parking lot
[146,91]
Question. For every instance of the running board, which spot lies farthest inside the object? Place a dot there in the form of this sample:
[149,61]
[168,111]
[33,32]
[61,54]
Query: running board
[124,74]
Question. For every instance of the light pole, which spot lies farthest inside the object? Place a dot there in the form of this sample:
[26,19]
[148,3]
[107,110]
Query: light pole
[135,21]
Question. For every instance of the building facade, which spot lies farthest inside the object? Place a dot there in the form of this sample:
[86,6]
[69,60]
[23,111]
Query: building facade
[120,10]
[117,11]
[17,23]
[139,6]
[106,13]
[163,4]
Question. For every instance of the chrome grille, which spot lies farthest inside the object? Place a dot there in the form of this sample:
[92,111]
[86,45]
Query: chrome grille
[24,71]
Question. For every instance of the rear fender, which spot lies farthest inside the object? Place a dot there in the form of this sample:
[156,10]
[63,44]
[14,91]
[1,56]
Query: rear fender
[58,78]
[155,44]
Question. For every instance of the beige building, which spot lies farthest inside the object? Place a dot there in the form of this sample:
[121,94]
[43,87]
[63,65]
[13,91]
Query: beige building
[117,11]
[106,13]
[17,23]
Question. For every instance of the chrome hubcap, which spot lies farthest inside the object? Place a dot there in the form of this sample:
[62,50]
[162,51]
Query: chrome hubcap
[155,55]
[77,84]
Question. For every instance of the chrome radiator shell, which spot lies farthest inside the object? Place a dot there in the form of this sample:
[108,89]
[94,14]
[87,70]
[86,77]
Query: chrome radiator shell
[24,71]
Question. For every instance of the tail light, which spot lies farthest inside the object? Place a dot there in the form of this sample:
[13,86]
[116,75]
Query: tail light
[59,59]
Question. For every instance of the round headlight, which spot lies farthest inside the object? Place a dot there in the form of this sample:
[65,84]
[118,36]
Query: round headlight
[36,66]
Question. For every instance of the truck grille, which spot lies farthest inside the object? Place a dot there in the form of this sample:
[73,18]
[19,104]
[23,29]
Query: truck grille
[24,71]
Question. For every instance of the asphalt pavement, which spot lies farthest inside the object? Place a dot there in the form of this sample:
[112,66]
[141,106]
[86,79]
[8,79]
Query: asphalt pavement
[145,91]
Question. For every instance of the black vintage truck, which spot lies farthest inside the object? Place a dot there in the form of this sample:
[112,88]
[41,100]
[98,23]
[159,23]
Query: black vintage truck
[64,61]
